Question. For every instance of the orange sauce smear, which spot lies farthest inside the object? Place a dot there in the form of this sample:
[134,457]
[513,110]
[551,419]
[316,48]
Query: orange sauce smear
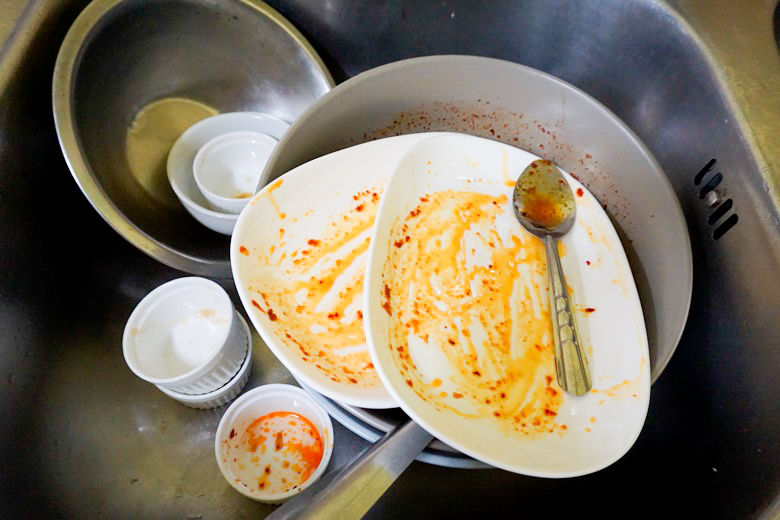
[543,210]
[277,452]
[325,328]
[491,322]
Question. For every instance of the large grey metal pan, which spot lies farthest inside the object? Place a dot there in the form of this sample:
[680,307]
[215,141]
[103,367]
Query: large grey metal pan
[537,112]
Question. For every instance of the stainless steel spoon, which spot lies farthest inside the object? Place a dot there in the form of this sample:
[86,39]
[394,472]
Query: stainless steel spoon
[544,205]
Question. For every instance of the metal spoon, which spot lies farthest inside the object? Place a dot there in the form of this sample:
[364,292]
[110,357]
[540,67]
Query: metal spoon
[544,205]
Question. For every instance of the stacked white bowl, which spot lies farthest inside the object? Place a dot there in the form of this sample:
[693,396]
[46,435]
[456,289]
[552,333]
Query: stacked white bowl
[187,338]
[216,165]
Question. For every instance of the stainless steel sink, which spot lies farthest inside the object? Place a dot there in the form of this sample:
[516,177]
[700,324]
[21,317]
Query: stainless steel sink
[699,82]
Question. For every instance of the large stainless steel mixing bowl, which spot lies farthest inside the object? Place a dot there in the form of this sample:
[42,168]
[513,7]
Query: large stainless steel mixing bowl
[132,75]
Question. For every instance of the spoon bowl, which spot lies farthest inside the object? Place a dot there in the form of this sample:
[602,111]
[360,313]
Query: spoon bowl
[543,200]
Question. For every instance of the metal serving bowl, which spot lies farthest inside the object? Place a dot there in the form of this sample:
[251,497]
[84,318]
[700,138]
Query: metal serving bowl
[132,75]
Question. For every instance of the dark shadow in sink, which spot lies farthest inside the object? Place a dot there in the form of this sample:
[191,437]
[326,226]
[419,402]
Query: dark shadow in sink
[776,25]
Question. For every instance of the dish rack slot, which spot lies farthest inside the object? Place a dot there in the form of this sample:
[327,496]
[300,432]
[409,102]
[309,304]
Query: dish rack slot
[714,201]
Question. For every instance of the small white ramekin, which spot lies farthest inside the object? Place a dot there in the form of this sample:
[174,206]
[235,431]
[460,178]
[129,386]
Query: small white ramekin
[185,336]
[261,401]
[228,168]
[222,395]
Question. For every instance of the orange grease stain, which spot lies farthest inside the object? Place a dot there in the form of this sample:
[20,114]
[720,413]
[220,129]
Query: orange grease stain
[492,324]
[313,299]
[270,194]
[297,450]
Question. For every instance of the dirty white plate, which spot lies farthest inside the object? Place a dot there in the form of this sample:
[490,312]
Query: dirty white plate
[289,238]
[473,339]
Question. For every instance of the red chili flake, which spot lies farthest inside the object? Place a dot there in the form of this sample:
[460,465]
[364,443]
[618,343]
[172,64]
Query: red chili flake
[476,373]
[423,199]
[456,395]
[232,433]
[549,379]
[361,207]
[451,341]
[333,315]
[279,444]
[550,413]
[590,309]
[271,315]
[353,380]
[580,193]
[588,156]
[314,242]
[244,251]
[409,382]
[257,305]
[587,262]
[360,315]
[399,243]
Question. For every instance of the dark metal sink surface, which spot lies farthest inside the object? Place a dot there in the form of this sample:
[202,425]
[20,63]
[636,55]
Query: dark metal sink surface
[698,81]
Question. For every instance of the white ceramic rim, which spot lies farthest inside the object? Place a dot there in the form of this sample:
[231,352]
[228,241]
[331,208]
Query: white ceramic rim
[160,291]
[178,159]
[263,392]
[197,172]
[219,392]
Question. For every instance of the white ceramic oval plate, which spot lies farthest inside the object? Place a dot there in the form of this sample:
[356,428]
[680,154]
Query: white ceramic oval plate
[315,222]
[468,358]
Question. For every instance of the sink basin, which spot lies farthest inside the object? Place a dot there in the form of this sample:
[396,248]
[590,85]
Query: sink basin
[699,82]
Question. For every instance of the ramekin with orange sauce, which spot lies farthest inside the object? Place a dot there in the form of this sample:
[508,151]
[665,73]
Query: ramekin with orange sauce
[273,442]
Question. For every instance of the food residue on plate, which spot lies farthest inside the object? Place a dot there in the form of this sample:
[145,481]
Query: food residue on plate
[312,290]
[274,453]
[471,329]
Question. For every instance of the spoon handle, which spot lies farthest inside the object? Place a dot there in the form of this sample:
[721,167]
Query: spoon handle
[571,364]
